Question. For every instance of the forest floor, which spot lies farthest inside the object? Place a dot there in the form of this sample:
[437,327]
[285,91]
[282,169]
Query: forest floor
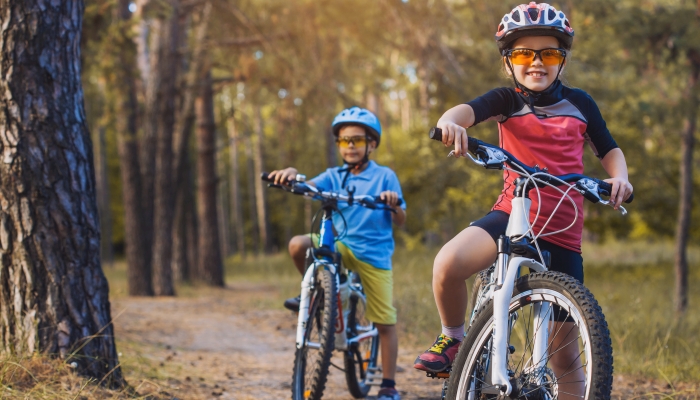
[229,344]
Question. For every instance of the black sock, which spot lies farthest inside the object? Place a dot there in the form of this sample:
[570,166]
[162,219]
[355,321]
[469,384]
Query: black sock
[388,383]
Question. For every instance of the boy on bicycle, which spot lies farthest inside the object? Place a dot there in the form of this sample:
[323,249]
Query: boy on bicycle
[368,243]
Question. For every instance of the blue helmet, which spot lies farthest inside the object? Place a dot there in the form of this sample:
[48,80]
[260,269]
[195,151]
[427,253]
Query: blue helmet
[358,116]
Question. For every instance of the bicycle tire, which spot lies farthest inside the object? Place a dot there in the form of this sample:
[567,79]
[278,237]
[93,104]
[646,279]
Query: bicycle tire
[481,279]
[469,376]
[311,367]
[361,357]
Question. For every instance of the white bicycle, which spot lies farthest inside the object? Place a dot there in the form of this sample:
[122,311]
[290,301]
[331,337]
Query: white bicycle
[518,323]
[332,307]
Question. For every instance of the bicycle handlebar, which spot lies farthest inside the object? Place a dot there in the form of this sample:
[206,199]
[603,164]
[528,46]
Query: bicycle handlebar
[301,188]
[493,157]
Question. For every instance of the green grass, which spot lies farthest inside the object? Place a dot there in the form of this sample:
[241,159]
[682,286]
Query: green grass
[633,282]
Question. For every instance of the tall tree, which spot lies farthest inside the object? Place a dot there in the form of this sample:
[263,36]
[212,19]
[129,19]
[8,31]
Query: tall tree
[209,265]
[53,294]
[234,180]
[163,201]
[121,71]
[259,189]
[686,184]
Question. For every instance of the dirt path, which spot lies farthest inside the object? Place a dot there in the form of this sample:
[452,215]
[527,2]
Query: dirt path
[224,345]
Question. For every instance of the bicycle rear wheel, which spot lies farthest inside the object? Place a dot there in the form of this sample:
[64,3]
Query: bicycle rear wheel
[576,327]
[313,359]
[361,356]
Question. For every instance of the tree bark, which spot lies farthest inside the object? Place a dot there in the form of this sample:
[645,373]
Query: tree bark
[252,204]
[192,226]
[122,89]
[234,182]
[224,217]
[53,294]
[209,265]
[102,187]
[259,188]
[686,193]
[163,200]
[180,266]
[185,118]
[331,151]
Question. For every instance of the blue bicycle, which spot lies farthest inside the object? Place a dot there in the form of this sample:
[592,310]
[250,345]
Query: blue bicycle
[332,306]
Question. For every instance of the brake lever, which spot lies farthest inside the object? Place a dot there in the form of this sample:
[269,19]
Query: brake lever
[622,209]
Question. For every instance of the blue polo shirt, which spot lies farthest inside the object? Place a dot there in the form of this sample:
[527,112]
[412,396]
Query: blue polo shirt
[369,233]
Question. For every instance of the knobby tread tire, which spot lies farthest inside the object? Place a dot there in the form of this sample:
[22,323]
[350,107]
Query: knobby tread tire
[327,343]
[481,279]
[357,388]
[599,340]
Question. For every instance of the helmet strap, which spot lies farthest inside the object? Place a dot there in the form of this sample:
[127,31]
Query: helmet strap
[355,166]
[530,95]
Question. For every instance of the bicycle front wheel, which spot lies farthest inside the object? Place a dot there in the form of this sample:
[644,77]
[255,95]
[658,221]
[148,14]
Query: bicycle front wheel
[313,359]
[361,356]
[577,357]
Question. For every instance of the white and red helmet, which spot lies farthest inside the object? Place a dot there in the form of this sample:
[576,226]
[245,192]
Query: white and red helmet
[534,20]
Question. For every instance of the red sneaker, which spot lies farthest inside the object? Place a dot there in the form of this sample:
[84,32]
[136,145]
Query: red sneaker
[438,357]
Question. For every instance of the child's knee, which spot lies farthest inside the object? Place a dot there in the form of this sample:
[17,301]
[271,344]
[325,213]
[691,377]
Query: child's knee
[445,264]
[299,244]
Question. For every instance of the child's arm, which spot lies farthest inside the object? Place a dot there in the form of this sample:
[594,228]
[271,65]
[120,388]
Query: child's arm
[392,198]
[616,166]
[453,124]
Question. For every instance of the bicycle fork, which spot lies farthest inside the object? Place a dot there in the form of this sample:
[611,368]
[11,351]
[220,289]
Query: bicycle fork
[506,273]
[303,317]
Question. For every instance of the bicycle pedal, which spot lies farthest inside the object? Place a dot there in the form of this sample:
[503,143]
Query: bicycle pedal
[374,377]
[439,375]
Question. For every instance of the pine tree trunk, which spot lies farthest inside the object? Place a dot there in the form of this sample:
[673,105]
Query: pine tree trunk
[192,226]
[163,201]
[122,89]
[234,182]
[224,217]
[102,186]
[252,204]
[331,151]
[209,265]
[180,264]
[53,294]
[259,187]
[686,194]
[185,118]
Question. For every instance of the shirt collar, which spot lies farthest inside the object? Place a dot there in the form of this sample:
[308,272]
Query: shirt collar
[551,95]
[365,174]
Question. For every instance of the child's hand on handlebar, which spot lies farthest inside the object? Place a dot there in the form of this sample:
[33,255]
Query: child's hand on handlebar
[621,190]
[282,177]
[391,198]
[453,133]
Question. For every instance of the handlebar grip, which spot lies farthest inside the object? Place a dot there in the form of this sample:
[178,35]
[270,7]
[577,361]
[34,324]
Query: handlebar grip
[264,176]
[435,134]
[608,188]
[378,199]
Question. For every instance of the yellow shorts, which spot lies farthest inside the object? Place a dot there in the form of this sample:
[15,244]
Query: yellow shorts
[378,285]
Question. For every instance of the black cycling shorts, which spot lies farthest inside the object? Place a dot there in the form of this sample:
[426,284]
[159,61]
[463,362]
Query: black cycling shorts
[563,260]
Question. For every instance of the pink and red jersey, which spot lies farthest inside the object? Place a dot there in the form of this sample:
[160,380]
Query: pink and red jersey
[551,136]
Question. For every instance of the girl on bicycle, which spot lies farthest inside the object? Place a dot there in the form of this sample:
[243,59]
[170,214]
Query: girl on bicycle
[541,122]
[368,242]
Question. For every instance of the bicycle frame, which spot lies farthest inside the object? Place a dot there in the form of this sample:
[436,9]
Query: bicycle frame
[327,242]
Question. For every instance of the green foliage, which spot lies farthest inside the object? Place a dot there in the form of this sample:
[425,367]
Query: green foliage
[301,62]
